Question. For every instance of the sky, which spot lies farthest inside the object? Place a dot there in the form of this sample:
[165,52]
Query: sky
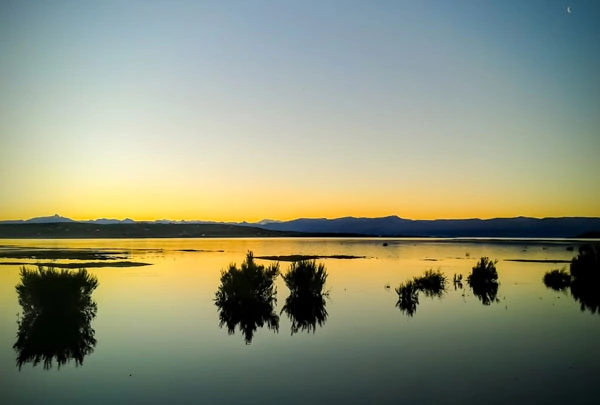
[243,110]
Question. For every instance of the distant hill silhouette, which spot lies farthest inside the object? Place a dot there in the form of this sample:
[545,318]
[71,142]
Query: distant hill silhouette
[498,227]
[518,227]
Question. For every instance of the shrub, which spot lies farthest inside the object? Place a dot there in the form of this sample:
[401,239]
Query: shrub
[557,280]
[57,314]
[432,283]
[246,297]
[306,277]
[484,272]
[587,263]
[484,280]
[305,306]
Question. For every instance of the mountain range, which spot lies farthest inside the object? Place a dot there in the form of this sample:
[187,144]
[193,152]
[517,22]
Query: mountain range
[525,227]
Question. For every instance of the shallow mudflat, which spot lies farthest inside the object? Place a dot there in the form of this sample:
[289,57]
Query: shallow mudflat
[57,254]
[78,265]
[297,258]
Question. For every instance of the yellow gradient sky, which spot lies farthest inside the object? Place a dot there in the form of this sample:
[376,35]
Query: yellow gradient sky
[232,111]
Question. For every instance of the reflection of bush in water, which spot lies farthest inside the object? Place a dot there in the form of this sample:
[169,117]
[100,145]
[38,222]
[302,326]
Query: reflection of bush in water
[484,280]
[558,280]
[57,314]
[246,297]
[583,280]
[431,283]
[408,297]
[305,306]
[306,311]
[585,269]
[587,294]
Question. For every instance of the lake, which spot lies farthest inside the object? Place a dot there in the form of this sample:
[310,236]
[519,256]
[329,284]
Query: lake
[158,338]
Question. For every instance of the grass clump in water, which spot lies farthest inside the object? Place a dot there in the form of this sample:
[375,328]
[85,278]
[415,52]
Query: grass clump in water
[246,297]
[306,277]
[305,306]
[432,283]
[558,280]
[586,265]
[585,272]
[583,278]
[484,280]
[57,313]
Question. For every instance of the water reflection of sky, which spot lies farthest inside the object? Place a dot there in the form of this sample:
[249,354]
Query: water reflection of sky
[159,323]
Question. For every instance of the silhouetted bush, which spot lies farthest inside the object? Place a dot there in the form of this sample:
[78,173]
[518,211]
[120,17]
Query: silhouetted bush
[484,280]
[558,280]
[306,276]
[57,314]
[587,263]
[583,280]
[585,272]
[484,271]
[246,297]
[431,283]
[305,306]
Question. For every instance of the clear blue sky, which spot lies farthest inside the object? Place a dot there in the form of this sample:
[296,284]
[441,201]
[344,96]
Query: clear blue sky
[240,110]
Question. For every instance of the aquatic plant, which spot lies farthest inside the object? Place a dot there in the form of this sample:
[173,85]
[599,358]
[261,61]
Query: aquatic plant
[305,276]
[305,306]
[587,263]
[484,280]
[484,271]
[583,278]
[432,283]
[56,319]
[246,297]
[558,280]
[457,281]
[585,272]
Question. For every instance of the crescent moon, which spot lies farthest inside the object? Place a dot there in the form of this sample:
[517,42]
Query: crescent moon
[569,9]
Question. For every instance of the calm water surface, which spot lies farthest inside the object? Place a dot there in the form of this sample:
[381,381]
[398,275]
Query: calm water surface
[159,339]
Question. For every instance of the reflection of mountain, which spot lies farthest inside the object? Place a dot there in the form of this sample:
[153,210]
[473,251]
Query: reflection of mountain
[57,313]
[305,306]
[246,298]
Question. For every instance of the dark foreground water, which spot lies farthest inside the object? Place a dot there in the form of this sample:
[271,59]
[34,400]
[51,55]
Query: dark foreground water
[157,338]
